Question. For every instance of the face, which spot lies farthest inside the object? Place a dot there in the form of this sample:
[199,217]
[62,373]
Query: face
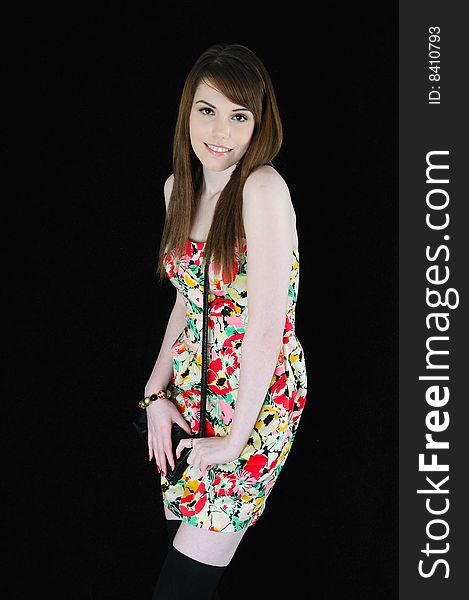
[220,131]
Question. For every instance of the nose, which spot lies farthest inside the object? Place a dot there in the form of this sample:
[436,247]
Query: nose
[221,129]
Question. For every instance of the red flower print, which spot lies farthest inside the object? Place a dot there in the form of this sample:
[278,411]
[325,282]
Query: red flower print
[255,464]
[288,329]
[234,341]
[300,402]
[215,364]
[244,480]
[222,307]
[178,348]
[193,502]
[191,396]
[230,360]
[169,267]
[279,389]
[225,484]
[297,409]
[288,403]
[217,379]
[291,404]
[209,430]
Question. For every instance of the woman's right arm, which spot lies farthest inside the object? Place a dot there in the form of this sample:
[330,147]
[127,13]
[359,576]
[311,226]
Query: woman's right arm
[162,413]
[163,369]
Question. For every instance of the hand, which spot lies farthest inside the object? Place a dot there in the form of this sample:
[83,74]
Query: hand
[208,451]
[161,415]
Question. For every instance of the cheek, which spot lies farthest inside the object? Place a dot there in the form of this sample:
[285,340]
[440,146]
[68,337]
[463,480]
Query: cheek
[194,129]
[247,137]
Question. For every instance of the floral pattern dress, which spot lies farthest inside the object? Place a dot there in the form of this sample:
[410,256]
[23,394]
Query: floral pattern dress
[232,496]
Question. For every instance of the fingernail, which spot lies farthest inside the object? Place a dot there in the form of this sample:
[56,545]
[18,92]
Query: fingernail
[158,468]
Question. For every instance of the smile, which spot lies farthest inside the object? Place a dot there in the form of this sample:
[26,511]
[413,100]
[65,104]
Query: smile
[218,150]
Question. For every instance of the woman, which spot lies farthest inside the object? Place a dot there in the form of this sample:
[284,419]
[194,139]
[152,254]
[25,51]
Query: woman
[227,202]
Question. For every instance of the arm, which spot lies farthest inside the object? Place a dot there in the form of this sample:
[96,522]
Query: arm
[267,218]
[268,225]
[163,369]
[163,413]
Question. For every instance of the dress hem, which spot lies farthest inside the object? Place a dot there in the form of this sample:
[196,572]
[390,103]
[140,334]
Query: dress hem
[250,522]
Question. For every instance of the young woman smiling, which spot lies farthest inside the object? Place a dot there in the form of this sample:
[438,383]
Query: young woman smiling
[225,203]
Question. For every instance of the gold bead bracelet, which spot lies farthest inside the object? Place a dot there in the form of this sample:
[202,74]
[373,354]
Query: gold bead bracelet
[149,399]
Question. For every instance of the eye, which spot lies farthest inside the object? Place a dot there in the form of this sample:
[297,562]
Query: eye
[240,117]
[206,108]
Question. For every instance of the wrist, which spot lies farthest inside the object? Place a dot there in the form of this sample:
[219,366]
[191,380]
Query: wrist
[154,386]
[156,397]
[237,443]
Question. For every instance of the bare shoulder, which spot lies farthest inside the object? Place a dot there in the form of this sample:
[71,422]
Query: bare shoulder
[267,208]
[265,190]
[266,179]
[168,188]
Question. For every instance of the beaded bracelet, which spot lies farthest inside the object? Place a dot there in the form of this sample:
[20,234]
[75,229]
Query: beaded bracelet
[149,399]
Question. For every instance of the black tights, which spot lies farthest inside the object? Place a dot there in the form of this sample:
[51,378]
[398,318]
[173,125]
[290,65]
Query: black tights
[182,577]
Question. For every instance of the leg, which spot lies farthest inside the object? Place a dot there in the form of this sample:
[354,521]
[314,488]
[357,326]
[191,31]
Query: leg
[198,549]
[172,524]
[209,547]
[182,577]
[169,515]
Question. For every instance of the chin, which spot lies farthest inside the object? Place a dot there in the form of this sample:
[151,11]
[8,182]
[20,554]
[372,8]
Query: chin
[218,168]
[216,165]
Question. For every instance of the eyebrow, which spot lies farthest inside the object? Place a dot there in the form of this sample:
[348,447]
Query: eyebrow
[211,105]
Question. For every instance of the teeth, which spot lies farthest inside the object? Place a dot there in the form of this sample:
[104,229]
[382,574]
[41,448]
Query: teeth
[218,148]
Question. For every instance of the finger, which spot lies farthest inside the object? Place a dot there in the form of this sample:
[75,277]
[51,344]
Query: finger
[205,470]
[151,449]
[161,456]
[169,454]
[184,424]
[186,443]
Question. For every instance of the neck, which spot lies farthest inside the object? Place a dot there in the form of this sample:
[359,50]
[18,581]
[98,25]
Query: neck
[215,181]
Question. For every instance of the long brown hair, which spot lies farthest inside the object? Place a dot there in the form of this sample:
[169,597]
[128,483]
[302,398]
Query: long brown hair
[238,74]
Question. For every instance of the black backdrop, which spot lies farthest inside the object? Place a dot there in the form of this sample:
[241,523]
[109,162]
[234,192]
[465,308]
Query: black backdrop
[96,97]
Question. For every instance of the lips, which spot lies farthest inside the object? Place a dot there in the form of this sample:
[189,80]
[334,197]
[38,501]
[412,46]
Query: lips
[217,150]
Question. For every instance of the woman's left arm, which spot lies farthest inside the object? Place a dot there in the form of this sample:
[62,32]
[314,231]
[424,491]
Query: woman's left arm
[268,226]
[267,219]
